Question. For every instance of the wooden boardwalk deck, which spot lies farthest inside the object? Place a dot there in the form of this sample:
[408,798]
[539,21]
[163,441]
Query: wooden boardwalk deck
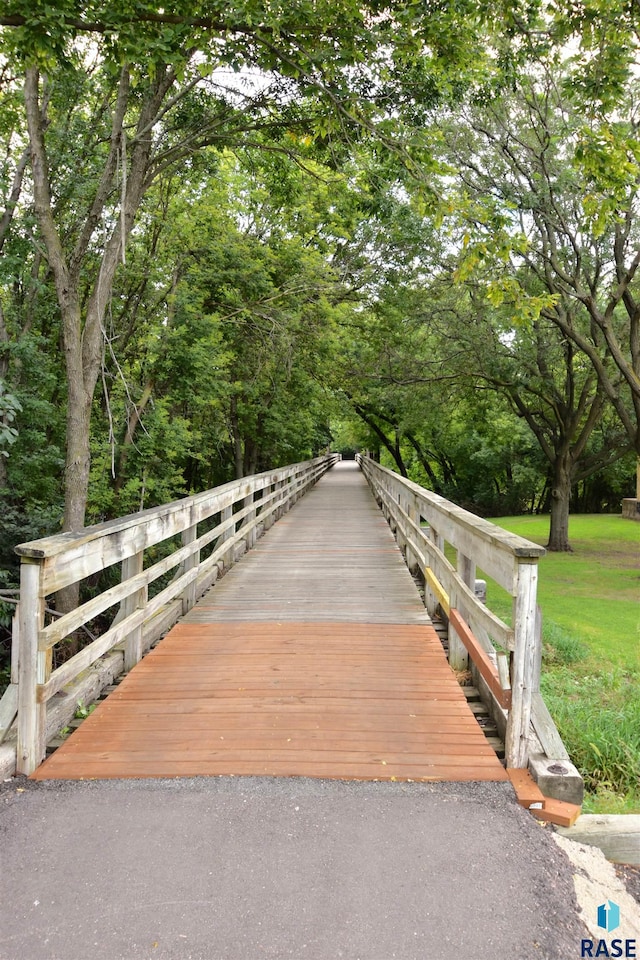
[313,656]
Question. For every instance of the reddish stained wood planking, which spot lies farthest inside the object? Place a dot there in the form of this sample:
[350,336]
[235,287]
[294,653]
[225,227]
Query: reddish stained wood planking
[375,701]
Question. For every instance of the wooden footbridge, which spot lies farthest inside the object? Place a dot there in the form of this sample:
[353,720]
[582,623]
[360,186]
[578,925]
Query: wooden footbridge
[315,655]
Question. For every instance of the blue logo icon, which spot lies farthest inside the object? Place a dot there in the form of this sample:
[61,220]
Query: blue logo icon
[609,916]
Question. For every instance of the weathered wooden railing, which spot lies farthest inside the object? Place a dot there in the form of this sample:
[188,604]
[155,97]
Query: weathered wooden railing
[507,658]
[234,514]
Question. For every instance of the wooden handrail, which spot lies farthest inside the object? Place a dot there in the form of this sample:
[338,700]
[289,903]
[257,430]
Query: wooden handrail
[474,630]
[237,509]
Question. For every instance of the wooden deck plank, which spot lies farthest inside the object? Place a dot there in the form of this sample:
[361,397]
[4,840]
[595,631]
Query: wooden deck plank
[332,558]
[323,721]
[314,656]
[290,739]
[331,769]
[233,754]
[292,704]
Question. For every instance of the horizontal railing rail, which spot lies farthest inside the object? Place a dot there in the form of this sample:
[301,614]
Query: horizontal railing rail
[239,512]
[507,658]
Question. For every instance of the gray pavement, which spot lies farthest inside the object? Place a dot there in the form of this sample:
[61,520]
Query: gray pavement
[247,868]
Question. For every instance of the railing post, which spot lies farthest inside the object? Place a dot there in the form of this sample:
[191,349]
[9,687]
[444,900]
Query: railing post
[277,502]
[295,496]
[458,656]
[400,538]
[387,512]
[524,669]
[305,481]
[132,647]
[286,498]
[430,599]
[31,670]
[250,517]
[414,516]
[189,592]
[289,492]
[226,514]
[15,646]
[458,653]
[268,516]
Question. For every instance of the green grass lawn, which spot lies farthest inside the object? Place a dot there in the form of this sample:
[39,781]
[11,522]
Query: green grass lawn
[590,601]
[594,592]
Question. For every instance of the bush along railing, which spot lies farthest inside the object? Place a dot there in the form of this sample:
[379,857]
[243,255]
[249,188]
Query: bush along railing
[224,521]
[508,659]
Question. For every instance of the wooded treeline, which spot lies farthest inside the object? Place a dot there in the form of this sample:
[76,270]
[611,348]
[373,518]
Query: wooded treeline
[230,241]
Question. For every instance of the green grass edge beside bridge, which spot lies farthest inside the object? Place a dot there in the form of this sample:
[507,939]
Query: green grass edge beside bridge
[590,601]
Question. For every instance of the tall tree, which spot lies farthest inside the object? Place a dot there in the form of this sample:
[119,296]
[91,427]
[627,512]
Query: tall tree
[135,89]
[552,386]
[521,162]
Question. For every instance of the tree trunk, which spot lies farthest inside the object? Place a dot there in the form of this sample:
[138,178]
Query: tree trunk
[560,500]
[250,457]
[78,459]
[393,448]
[238,455]
[424,461]
[77,466]
[4,369]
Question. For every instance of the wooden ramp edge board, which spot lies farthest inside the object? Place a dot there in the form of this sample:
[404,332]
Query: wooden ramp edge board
[527,791]
[329,700]
[529,795]
[558,812]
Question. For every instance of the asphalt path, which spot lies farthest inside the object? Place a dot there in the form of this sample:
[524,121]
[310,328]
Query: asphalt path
[248,868]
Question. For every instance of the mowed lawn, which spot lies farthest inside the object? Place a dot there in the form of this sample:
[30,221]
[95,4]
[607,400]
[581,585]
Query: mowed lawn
[594,592]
